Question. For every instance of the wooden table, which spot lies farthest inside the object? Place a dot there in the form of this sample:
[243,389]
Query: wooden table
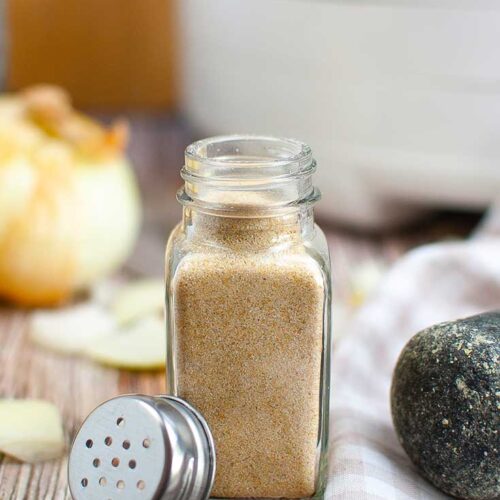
[76,385]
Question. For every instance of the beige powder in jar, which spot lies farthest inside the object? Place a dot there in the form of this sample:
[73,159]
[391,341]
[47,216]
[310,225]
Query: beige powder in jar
[248,343]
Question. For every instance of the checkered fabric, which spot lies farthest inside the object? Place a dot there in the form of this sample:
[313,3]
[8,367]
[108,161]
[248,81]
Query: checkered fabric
[433,283]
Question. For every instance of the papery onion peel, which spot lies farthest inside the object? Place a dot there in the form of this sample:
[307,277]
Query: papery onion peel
[69,204]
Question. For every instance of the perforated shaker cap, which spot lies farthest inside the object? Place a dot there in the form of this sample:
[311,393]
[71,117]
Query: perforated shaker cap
[142,447]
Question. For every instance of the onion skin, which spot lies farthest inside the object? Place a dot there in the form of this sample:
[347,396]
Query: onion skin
[55,247]
[110,211]
[37,266]
[69,214]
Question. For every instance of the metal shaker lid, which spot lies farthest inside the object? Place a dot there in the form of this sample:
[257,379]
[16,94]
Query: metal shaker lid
[142,447]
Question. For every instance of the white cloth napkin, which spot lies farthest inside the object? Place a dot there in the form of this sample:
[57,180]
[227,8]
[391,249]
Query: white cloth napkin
[431,284]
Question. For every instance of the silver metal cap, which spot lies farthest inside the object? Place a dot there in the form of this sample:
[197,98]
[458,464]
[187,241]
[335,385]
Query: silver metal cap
[142,447]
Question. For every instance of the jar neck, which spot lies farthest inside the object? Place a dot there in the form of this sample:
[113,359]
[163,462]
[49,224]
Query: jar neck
[248,233]
[248,177]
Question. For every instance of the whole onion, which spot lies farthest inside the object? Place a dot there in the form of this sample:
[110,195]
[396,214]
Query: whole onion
[69,203]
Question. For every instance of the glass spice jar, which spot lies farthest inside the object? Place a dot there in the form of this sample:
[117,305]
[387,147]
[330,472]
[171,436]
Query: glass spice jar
[248,304]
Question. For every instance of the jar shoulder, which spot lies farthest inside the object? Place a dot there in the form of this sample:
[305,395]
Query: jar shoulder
[319,245]
[307,256]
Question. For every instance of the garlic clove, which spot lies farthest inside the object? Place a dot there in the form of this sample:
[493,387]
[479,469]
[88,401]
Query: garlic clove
[141,346]
[138,299]
[30,430]
[72,329]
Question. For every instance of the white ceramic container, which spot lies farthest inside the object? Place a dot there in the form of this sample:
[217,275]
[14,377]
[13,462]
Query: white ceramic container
[399,100]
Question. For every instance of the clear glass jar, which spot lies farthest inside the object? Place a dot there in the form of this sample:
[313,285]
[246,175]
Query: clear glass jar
[248,301]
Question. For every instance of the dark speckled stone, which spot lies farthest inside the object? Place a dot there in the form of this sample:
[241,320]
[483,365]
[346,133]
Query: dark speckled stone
[446,405]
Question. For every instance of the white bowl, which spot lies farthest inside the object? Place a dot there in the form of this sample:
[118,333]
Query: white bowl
[399,100]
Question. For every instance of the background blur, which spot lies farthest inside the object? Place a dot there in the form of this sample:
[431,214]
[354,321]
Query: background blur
[400,101]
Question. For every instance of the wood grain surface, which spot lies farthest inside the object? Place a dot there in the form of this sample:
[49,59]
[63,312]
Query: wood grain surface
[76,385]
